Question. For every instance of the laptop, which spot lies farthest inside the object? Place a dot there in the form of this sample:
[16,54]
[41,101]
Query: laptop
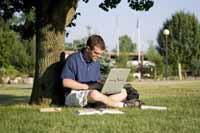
[115,81]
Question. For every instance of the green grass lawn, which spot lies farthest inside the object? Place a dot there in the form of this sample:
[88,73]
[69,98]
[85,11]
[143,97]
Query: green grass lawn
[182,98]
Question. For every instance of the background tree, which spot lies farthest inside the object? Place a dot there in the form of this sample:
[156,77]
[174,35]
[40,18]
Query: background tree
[14,53]
[76,44]
[126,46]
[195,67]
[153,56]
[51,18]
[183,40]
[29,48]
[8,39]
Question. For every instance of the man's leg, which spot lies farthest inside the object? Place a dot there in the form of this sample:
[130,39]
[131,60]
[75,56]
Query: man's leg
[95,95]
[77,98]
[119,96]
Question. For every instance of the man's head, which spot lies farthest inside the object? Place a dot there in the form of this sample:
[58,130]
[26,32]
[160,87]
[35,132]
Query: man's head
[95,47]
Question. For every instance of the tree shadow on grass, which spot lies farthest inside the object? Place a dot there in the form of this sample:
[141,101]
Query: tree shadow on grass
[12,99]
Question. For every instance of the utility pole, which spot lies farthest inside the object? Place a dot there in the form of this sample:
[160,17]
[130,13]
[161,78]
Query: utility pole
[139,49]
[117,36]
[166,34]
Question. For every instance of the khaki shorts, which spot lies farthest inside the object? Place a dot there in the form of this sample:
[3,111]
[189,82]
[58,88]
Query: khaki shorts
[77,98]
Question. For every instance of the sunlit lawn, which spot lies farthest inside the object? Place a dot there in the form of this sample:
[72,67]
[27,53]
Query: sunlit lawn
[182,98]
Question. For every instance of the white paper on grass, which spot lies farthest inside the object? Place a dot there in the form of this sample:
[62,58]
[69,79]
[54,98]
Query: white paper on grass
[146,107]
[101,111]
[50,109]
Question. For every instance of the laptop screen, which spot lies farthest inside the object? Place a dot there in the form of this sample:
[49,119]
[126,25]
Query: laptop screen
[115,80]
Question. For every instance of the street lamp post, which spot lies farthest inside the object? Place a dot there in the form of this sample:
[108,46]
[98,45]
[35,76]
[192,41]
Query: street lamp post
[166,34]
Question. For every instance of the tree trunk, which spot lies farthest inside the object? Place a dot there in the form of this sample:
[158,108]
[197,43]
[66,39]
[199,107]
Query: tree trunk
[180,71]
[52,18]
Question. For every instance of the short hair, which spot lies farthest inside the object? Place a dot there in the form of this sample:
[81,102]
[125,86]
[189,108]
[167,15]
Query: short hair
[96,40]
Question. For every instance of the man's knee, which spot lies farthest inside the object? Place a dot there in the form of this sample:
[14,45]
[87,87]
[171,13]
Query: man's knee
[94,95]
[124,92]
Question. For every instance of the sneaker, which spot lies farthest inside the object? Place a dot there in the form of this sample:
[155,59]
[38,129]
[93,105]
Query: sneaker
[133,103]
[96,105]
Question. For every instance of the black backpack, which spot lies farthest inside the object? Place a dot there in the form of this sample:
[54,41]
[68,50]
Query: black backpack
[132,93]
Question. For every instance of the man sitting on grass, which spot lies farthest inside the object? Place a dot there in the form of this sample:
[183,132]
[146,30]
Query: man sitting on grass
[81,74]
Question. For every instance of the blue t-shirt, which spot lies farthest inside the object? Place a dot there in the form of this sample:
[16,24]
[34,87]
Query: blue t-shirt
[77,68]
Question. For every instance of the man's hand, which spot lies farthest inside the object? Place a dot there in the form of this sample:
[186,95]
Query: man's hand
[69,83]
[95,86]
[85,87]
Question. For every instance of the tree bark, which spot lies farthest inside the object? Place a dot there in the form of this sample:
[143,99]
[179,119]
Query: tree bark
[52,18]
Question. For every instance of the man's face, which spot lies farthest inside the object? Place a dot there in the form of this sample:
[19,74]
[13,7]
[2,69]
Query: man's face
[95,53]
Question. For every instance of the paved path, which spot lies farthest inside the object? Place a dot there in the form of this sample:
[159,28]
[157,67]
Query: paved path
[17,85]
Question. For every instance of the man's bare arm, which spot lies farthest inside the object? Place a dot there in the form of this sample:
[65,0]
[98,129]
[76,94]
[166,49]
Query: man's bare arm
[69,83]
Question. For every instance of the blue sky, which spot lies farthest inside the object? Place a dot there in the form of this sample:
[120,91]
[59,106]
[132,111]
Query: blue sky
[123,20]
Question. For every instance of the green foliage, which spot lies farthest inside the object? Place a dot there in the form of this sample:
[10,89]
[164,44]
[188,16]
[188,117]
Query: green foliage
[183,40]
[76,45]
[29,8]
[79,44]
[9,71]
[133,4]
[15,52]
[153,56]
[126,44]
[27,57]
[9,40]
[130,76]
[25,23]
[121,60]
[195,66]
[105,63]
[69,46]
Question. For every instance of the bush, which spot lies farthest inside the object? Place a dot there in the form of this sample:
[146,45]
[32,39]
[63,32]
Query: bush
[130,76]
[105,64]
[122,60]
[15,52]
[9,71]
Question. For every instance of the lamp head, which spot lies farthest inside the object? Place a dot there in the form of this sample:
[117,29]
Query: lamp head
[166,32]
